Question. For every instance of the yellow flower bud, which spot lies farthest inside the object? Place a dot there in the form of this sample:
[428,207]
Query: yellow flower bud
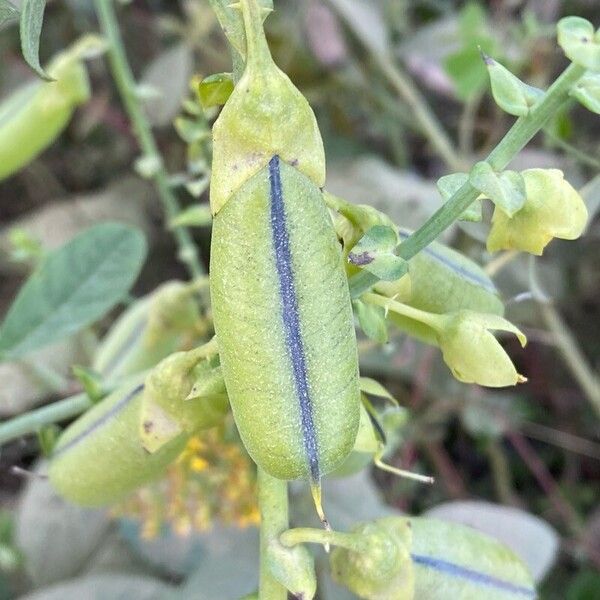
[553,208]
[473,353]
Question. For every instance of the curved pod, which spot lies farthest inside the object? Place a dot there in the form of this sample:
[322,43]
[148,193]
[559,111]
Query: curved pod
[284,324]
[100,458]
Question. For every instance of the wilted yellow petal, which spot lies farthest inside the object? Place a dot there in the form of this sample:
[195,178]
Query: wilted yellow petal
[553,208]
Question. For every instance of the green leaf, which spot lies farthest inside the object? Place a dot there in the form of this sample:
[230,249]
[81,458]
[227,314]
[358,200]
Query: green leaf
[510,93]
[466,71]
[30,25]
[47,438]
[375,253]
[506,190]
[73,287]
[91,382]
[197,215]
[449,185]
[191,131]
[214,90]
[579,42]
[371,319]
[374,388]
[7,12]
[587,92]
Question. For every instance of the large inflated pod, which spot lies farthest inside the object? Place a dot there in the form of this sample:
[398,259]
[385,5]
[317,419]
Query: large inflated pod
[32,117]
[280,298]
[125,441]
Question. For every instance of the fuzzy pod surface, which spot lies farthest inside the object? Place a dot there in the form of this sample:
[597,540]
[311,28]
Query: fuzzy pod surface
[280,297]
[99,458]
[284,323]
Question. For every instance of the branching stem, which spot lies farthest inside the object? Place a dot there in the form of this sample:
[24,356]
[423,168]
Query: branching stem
[513,142]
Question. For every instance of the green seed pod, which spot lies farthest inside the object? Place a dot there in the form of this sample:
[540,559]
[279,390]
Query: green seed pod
[148,331]
[378,567]
[131,436]
[456,561]
[280,298]
[399,558]
[442,280]
[35,115]
[100,458]
[181,395]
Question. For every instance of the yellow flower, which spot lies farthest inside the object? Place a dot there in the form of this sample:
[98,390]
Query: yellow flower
[473,353]
[553,208]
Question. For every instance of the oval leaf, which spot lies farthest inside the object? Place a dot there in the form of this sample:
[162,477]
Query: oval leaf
[74,286]
[30,25]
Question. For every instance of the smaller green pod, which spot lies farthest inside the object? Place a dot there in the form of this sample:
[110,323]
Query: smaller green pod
[35,115]
[401,558]
[148,331]
[100,458]
[129,438]
[442,280]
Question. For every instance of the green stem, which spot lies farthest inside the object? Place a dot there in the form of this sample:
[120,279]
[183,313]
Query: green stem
[121,71]
[572,355]
[513,142]
[565,341]
[434,321]
[273,504]
[325,537]
[34,420]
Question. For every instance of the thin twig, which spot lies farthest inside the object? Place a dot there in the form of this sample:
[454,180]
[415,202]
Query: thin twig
[123,77]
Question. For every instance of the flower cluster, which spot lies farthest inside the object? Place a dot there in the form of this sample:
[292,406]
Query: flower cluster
[212,480]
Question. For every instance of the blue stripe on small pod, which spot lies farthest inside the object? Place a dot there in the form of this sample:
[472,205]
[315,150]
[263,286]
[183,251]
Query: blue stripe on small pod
[447,262]
[291,316]
[472,576]
[105,418]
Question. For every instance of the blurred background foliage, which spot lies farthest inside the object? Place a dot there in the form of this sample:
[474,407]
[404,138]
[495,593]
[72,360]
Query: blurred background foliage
[363,64]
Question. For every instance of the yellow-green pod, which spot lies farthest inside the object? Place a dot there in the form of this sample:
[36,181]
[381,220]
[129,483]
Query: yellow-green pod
[280,297]
[148,331]
[100,457]
[130,437]
[441,280]
[35,115]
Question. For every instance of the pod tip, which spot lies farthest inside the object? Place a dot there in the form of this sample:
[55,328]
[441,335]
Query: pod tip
[402,473]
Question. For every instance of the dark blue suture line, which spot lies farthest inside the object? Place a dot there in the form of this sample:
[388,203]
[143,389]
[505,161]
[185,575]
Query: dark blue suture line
[475,577]
[484,283]
[291,316]
[131,339]
[107,416]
